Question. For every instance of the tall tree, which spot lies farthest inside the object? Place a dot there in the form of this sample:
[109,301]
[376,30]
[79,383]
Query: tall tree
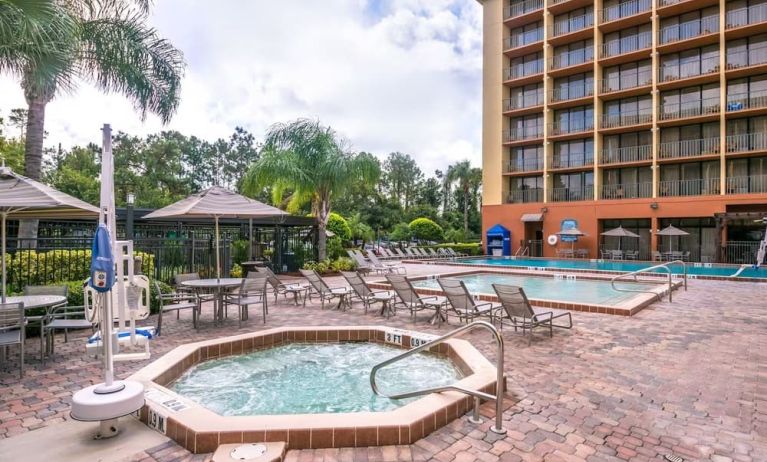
[307,159]
[402,178]
[468,178]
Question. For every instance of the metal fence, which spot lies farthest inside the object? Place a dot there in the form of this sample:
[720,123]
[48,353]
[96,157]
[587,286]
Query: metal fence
[743,252]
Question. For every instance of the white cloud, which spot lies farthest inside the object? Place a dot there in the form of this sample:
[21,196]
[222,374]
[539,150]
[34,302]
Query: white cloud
[396,75]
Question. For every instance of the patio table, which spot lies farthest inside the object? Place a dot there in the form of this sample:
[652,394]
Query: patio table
[32,302]
[218,286]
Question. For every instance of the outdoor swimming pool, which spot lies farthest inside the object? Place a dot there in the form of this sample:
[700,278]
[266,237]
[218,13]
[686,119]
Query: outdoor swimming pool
[698,269]
[587,291]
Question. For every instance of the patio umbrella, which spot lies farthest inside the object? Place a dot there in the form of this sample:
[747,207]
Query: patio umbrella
[620,232]
[671,230]
[217,202]
[572,232]
[22,197]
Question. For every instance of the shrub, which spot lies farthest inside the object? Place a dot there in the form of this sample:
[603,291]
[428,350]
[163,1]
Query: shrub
[400,233]
[470,248]
[342,264]
[328,266]
[239,251]
[236,271]
[335,248]
[339,226]
[455,235]
[425,229]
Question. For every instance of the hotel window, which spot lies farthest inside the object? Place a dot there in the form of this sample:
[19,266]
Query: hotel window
[627,75]
[689,25]
[527,96]
[627,111]
[573,186]
[747,134]
[527,34]
[747,175]
[573,120]
[527,65]
[744,12]
[747,51]
[573,87]
[689,63]
[627,147]
[572,21]
[690,101]
[520,7]
[526,158]
[574,153]
[577,52]
[747,93]
[627,183]
[689,179]
[530,126]
[614,9]
[627,40]
[689,140]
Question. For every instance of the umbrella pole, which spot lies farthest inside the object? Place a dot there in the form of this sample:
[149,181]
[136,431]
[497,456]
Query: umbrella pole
[218,260]
[5,217]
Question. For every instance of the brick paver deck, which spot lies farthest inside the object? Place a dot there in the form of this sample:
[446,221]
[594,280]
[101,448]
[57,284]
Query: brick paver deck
[687,378]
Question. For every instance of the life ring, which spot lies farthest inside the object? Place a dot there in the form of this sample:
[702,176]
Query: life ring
[552,239]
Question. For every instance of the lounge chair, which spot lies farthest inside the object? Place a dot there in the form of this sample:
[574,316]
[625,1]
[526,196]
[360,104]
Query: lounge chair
[12,329]
[369,296]
[432,254]
[410,299]
[444,253]
[362,265]
[325,292]
[453,253]
[400,254]
[176,301]
[412,254]
[521,314]
[252,291]
[278,287]
[390,254]
[388,267]
[463,304]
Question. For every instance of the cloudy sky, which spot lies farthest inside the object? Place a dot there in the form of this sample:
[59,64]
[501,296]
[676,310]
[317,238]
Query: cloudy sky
[389,75]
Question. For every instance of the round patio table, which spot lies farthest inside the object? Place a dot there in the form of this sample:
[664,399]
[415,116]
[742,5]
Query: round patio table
[37,301]
[218,286]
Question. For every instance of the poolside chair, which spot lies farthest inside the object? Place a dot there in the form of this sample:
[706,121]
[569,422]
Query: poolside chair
[37,320]
[389,254]
[433,254]
[252,291]
[463,304]
[657,256]
[277,286]
[176,301]
[444,253]
[362,265]
[367,295]
[400,254]
[389,267]
[12,323]
[617,254]
[632,254]
[325,292]
[412,254]
[410,299]
[521,314]
[63,317]
[453,253]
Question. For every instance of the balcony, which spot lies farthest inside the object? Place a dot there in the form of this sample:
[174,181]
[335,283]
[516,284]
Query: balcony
[520,40]
[697,108]
[618,84]
[571,58]
[680,72]
[521,134]
[624,10]
[694,187]
[524,196]
[744,17]
[626,191]
[567,30]
[689,30]
[627,155]
[525,165]
[625,119]
[746,142]
[753,184]
[626,45]
[747,101]
[668,8]
[572,92]
[585,159]
[689,148]
[523,70]
[522,8]
[746,62]
[524,102]
[572,194]
[566,128]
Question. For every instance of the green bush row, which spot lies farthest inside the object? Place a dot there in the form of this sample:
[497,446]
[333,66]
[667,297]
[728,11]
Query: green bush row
[331,266]
[470,248]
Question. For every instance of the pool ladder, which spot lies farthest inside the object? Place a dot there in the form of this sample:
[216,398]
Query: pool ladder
[499,385]
[665,266]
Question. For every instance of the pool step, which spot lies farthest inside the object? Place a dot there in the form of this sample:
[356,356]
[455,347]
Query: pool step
[256,452]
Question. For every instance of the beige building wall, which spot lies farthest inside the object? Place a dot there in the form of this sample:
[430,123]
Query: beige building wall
[492,100]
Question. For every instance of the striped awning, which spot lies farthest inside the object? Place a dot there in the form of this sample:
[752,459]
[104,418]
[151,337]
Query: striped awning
[22,197]
[531,217]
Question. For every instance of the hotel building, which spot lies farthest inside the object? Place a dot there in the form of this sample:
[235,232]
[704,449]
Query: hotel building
[641,113]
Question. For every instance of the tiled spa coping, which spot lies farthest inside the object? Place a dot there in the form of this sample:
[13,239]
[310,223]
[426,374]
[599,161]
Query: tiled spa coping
[200,430]
[629,307]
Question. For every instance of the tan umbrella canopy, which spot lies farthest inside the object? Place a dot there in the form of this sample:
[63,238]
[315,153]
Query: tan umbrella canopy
[574,232]
[671,230]
[22,197]
[620,232]
[217,202]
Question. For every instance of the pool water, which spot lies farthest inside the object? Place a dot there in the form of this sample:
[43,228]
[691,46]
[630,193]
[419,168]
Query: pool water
[549,288]
[310,378]
[621,266]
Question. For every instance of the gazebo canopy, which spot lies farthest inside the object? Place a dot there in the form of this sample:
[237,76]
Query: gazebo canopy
[217,202]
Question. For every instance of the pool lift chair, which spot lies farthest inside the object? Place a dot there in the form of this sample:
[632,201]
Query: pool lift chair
[116,299]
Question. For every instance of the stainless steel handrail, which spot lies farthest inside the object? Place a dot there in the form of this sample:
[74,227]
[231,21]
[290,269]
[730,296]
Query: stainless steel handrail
[499,385]
[649,269]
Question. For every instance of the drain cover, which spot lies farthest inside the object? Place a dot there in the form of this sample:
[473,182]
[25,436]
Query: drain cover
[673,458]
[248,451]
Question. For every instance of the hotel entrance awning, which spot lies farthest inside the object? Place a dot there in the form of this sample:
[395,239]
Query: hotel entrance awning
[532,217]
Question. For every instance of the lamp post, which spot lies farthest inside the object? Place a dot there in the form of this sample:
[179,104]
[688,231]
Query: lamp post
[130,200]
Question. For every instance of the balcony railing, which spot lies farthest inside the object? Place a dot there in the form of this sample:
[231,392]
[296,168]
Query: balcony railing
[572,160]
[690,29]
[524,133]
[662,3]
[625,119]
[525,38]
[572,194]
[523,70]
[626,191]
[572,24]
[747,184]
[627,154]
[626,45]
[750,100]
[746,142]
[689,109]
[705,66]
[525,165]
[617,83]
[522,102]
[558,128]
[694,187]
[525,195]
[689,148]
[751,57]
[741,252]
[624,10]
[520,8]
[572,91]
[754,14]
[571,58]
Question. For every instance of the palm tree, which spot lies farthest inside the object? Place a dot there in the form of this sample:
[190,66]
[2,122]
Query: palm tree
[106,42]
[308,160]
[468,179]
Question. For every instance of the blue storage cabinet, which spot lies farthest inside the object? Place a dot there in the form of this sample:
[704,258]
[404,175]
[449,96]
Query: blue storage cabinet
[498,241]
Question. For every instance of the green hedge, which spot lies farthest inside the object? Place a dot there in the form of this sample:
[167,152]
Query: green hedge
[470,248]
[328,266]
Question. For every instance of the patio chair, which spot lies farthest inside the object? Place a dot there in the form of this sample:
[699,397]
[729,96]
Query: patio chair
[252,291]
[37,320]
[278,287]
[657,256]
[463,304]
[389,267]
[367,295]
[325,292]
[176,301]
[362,265]
[617,254]
[411,299]
[12,323]
[521,314]
[605,254]
[632,254]
[685,256]
[63,317]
